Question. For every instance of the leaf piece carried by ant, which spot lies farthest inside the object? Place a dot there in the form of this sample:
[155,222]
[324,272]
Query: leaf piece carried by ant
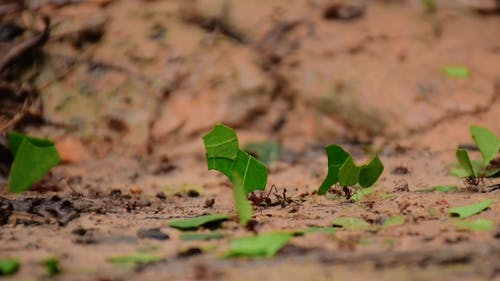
[465,162]
[257,246]
[370,172]
[337,156]
[267,152]
[470,210]
[243,207]
[350,223]
[475,225]
[487,142]
[362,193]
[348,173]
[196,222]
[223,154]
[33,159]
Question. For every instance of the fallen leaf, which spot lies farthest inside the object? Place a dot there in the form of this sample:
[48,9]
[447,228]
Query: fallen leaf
[9,266]
[350,223]
[196,222]
[470,210]
[262,245]
[474,225]
[190,236]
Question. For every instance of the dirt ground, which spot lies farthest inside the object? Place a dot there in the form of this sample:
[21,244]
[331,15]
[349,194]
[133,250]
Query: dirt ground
[127,89]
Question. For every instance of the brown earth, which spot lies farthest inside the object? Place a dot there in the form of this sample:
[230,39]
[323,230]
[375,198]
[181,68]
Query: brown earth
[128,88]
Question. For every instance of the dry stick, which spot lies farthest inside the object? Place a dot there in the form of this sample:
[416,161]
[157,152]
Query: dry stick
[21,48]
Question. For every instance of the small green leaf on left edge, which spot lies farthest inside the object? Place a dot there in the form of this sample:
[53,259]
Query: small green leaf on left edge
[470,210]
[456,71]
[262,245]
[474,225]
[9,266]
[196,222]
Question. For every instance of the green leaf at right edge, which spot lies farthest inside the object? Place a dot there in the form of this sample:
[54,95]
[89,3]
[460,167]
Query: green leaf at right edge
[351,223]
[475,225]
[196,222]
[243,207]
[336,158]
[349,173]
[487,142]
[9,266]
[470,210]
[33,159]
[261,245]
[370,172]
[465,163]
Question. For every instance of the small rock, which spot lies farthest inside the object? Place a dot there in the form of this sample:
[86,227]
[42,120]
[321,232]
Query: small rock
[5,210]
[189,252]
[152,233]
[400,170]
[193,193]
[161,195]
[209,203]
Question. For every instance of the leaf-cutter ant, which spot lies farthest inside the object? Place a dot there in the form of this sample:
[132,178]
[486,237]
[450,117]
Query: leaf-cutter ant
[264,199]
[346,191]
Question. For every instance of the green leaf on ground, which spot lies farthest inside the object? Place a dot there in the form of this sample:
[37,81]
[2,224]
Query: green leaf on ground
[135,259]
[336,158]
[262,245]
[33,159]
[266,152]
[470,210]
[396,220]
[440,188]
[243,206]
[456,71]
[348,173]
[465,163]
[487,142]
[475,225]
[9,266]
[314,229]
[370,172]
[52,266]
[193,236]
[350,223]
[224,155]
[196,222]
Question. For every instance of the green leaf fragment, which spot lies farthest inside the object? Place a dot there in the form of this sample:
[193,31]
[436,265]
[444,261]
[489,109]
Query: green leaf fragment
[470,210]
[314,229]
[9,266]
[262,245]
[134,259]
[475,225]
[52,266]
[360,194]
[370,172]
[456,71]
[194,223]
[33,159]
[465,163]
[392,221]
[348,173]
[253,174]
[445,188]
[266,152]
[487,142]
[221,142]
[223,155]
[350,223]
[243,207]
[193,236]
[336,158]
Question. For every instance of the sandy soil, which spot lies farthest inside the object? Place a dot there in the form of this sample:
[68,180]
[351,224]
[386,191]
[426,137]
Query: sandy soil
[128,101]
